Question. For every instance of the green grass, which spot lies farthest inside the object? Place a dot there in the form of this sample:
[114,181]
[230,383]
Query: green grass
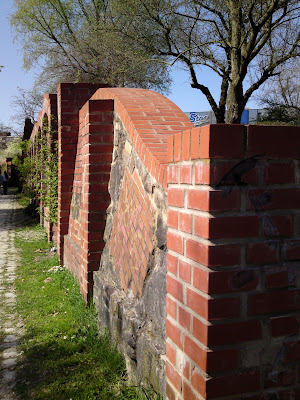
[64,355]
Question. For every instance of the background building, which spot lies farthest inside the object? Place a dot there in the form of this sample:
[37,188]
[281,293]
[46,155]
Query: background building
[249,116]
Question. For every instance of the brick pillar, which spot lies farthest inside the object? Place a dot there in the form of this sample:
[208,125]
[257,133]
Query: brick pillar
[233,263]
[96,138]
[70,98]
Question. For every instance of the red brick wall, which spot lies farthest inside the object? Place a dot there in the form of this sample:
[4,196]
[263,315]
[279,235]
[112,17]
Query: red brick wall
[131,238]
[84,243]
[130,284]
[149,119]
[233,279]
[70,99]
[233,263]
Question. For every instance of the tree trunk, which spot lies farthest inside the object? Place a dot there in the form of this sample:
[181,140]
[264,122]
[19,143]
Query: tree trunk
[236,104]
[235,98]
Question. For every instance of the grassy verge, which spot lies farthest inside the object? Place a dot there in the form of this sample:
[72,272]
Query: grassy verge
[64,356]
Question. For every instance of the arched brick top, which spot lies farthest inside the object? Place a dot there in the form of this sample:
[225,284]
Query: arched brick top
[149,119]
[49,109]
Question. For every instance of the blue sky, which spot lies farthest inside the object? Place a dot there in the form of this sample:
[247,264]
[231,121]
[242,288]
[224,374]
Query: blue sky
[13,76]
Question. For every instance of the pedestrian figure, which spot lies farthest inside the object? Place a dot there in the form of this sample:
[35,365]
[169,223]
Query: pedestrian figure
[1,182]
[5,182]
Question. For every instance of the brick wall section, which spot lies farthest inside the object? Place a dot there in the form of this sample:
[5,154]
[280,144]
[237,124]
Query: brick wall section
[70,99]
[149,119]
[90,199]
[131,238]
[233,263]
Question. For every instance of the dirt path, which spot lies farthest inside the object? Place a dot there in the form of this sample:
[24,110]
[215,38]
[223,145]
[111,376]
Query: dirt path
[10,324]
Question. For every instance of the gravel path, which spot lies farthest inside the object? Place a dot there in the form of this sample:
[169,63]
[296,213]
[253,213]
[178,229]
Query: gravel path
[11,327]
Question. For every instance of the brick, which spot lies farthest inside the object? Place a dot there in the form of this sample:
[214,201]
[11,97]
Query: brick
[227,254]
[188,394]
[277,225]
[184,272]
[173,218]
[223,308]
[197,303]
[280,276]
[202,173]
[171,353]
[186,174]
[233,333]
[281,378]
[175,242]
[173,376]
[198,199]
[195,143]
[279,173]
[172,174]
[197,251]
[274,302]
[170,149]
[273,141]
[291,250]
[174,288]
[186,140]
[222,200]
[223,360]
[214,200]
[213,282]
[177,147]
[199,382]
[226,227]
[173,333]
[213,309]
[185,222]
[284,326]
[272,199]
[238,383]
[172,264]
[222,141]
[184,318]
[195,352]
[262,253]
[223,254]
[200,330]
[170,392]
[175,197]
[292,351]
[201,226]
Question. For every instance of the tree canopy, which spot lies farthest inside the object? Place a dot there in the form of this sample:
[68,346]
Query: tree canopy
[134,42]
[244,42]
[77,40]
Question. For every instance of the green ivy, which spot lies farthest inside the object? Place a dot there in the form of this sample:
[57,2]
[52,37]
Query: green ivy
[38,171]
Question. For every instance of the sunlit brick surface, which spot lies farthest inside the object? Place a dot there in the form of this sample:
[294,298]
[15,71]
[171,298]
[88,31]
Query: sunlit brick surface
[131,242]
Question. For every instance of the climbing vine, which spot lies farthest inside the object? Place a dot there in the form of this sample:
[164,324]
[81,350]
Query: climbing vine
[38,171]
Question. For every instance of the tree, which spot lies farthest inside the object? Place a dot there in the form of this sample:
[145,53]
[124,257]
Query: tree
[245,42]
[76,40]
[283,92]
[12,149]
[26,104]
[281,97]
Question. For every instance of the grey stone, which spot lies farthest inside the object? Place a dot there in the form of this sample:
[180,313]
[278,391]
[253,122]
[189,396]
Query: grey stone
[161,231]
[116,176]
